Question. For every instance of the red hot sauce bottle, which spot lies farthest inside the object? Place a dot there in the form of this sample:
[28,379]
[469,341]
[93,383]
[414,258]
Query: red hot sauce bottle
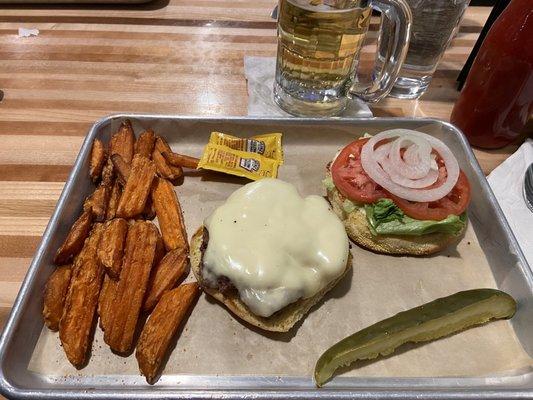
[497,98]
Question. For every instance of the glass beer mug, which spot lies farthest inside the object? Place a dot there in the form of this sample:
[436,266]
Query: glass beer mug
[319,43]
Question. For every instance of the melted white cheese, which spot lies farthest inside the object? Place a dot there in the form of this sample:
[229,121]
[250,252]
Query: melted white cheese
[274,245]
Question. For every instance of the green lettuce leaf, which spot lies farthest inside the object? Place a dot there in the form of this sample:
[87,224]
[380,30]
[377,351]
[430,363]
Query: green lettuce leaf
[328,184]
[384,210]
[385,218]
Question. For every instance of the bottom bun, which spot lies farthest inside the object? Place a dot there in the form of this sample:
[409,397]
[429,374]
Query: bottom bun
[281,321]
[358,230]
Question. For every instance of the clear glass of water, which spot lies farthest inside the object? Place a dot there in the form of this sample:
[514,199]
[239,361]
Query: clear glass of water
[435,23]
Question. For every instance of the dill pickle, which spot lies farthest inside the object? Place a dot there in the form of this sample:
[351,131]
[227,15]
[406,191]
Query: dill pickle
[427,322]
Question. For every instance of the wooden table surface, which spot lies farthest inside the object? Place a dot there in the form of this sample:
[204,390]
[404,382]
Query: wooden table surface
[175,57]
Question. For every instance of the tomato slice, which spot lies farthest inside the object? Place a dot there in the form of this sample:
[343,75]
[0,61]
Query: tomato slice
[454,202]
[351,179]
[353,182]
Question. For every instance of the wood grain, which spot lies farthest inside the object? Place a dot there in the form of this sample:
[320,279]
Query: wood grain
[168,56]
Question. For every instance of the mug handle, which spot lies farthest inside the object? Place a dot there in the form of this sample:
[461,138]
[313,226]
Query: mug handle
[397,15]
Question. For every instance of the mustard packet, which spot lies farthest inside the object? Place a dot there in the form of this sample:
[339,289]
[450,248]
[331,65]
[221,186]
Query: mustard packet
[235,162]
[268,144]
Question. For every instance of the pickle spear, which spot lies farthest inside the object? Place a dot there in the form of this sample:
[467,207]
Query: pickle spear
[427,322]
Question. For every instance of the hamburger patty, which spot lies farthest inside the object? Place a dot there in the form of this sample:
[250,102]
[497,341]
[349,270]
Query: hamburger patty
[223,283]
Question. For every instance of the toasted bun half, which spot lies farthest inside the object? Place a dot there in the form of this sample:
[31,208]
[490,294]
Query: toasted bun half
[357,228]
[281,321]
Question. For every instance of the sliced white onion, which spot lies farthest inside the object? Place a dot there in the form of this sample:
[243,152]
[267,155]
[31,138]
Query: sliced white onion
[382,152]
[421,183]
[417,162]
[434,162]
[409,176]
[411,155]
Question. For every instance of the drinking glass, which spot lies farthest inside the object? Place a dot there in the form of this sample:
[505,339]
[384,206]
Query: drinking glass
[435,23]
[319,43]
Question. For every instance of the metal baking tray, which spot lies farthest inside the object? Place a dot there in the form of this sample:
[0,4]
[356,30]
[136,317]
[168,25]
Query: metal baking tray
[28,371]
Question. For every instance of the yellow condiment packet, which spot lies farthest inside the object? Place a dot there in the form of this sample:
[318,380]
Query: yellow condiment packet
[267,145]
[235,162]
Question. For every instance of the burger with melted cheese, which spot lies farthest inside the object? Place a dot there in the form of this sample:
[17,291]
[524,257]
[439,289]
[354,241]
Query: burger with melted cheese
[399,192]
[269,254]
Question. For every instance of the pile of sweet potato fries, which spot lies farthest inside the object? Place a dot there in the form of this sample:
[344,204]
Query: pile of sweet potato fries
[115,265]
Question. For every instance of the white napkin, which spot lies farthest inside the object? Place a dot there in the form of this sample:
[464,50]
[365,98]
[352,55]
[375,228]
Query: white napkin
[259,72]
[507,183]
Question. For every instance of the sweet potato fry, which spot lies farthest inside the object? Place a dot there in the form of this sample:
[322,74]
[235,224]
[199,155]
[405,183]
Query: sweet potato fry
[165,275]
[169,215]
[108,173]
[97,161]
[162,326]
[111,247]
[177,173]
[149,210]
[180,160]
[162,146]
[123,142]
[141,243]
[122,169]
[97,202]
[75,239]
[145,143]
[137,188]
[160,250]
[105,301]
[114,198]
[76,324]
[164,169]
[55,293]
